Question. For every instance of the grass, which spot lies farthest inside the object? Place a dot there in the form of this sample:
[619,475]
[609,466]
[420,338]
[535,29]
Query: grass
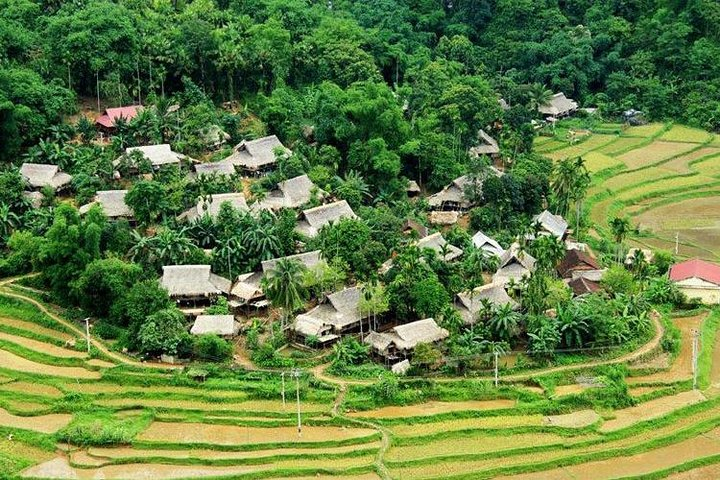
[708,339]
[646,131]
[681,133]
[100,428]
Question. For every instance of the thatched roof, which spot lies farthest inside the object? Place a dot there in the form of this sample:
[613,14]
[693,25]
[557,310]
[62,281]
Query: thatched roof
[592,275]
[313,219]
[112,203]
[193,281]
[248,287]
[410,225]
[292,193]
[159,155]
[413,187]
[40,175]
[436,242]
[224,325]
[486,145]
[482,241]
[468,304]
[550,223]
[558,106]
[440,217]
[311,327]
[308,259]
[211,205]
[222,168]
[406,337]
[515,265]
[256,154]
[576,260]
[341,312]
[583,286]
[453,195]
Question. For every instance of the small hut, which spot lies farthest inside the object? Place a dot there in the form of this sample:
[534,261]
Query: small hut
[313,219]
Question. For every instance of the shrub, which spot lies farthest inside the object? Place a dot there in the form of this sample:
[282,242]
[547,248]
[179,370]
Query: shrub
[106,330]
[210,347]
[103,428]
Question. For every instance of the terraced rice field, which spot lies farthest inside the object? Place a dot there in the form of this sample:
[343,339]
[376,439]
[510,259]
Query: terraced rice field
[173,427]
[665,177]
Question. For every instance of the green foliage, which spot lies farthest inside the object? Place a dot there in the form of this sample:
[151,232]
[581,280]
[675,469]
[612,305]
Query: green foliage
[102,428]
[618,280]
[211,348]
[348,352]
[138,303]
[104,282]
[219,307]
[161,332]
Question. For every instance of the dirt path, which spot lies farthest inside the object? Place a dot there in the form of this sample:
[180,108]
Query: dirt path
[99,345]
[681,369]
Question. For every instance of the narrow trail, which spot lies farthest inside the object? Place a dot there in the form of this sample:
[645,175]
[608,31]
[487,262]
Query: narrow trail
[97,344]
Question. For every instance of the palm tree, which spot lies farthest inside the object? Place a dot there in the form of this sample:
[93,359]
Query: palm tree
[620,228]
[352,188]
[226,251]
[505,323]
[537,95]
[548,250]
[9,221]
[570,180]
[283,286]
[171,247]
[573,328]
[261,242]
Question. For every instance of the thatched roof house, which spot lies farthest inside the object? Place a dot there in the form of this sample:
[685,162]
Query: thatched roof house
[191,282]
[452,197]
[486,146]
[39,175]
[574,261]
[400,341]
[112,203]
[211,205]
[223,325]
[413,189]
[341,313]
[248,286]
[256,156]
[558,106]
[551,224]
[159,155]
[214,136]
[514,265]
[292,193]
[583,286]
[468,304]
[313,219]
[437,243]
[415,228]
[483,242]
[221,169]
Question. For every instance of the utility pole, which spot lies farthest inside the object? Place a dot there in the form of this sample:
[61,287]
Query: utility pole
[695,354]
[496,368]
[87,333]
[282,375]
[296,374]
[677,242]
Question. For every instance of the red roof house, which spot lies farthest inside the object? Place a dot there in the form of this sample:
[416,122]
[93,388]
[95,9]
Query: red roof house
[574,261]
[697,279]
[107,120]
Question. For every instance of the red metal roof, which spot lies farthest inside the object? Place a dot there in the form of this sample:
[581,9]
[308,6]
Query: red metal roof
[707,271]
[108,118]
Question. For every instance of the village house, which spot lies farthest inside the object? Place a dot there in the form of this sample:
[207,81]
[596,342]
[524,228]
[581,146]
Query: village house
[576,261]
[112,203]
[248,287]
[550,224]
[339,315]
[399,342]
[214,136]
[483,242]
[453,198]
[256,157]
[486,146]
[583,286]
[437,243]
[221,325]
[39,176]
[211,204]
[413,228]
[413,189]
[159,155]
[469,304]
[193,284]
[313,219]
[221,169]
[292,193]
[559,106]
[514,266]
[697,279]
[106,123]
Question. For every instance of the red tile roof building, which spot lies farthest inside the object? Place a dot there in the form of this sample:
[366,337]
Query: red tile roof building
[697,279]
[111,115]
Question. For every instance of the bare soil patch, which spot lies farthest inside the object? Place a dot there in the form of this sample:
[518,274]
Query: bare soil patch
[43,423]
[249,406]
[634,465]
[25,407]
[13,362]
[42,347]
[32,388]
[682,164]
[57,468]
[433,408]
[681,369]
[650,410]
[702,473]
[578,419]
[420,429]
[235,435]
[35,328]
